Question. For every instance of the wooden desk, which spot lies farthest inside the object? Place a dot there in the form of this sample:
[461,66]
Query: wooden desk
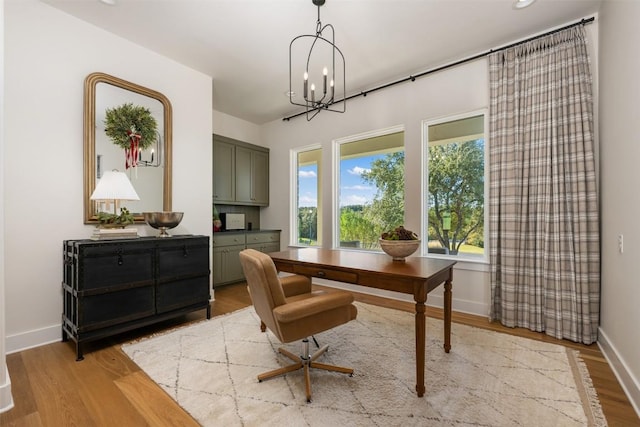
[417,276]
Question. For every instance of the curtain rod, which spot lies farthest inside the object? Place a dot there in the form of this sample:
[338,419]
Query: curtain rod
[412,78]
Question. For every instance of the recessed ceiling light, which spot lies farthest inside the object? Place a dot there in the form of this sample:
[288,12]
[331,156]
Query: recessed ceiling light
[109,2]
[521,4]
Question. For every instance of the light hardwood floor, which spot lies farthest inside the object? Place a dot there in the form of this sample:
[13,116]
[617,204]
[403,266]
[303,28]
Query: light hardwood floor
[106,389]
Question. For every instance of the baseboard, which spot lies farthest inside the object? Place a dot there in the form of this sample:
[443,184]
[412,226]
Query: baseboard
[6,399]
[32,339]
[630,385]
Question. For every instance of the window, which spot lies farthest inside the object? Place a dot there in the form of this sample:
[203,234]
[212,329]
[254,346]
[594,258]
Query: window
[456,170]
[369,187]
[308,191]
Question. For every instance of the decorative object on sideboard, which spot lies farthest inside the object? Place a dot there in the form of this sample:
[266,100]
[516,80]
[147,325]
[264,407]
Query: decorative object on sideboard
[163,221]
[399,243]
[133,128]
[113,187]
[305,66]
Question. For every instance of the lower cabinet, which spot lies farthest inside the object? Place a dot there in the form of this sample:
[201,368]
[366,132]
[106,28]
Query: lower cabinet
[114,286]
[226,264]
[227,247]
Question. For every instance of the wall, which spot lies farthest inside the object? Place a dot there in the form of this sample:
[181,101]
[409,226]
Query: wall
[619,113]
[233,127]
[6,400]
[48,55]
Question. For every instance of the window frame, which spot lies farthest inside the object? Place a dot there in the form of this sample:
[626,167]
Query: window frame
[335,176]
[424,225]
[294,239]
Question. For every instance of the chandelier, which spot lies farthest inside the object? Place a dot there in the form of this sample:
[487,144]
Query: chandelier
[314,70]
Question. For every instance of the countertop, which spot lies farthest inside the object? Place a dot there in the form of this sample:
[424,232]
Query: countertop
[263,230]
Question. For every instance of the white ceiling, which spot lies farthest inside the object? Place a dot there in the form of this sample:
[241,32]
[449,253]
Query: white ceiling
[244,44]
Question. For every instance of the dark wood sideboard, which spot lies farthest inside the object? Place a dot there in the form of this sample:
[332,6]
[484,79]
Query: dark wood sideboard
[112,286]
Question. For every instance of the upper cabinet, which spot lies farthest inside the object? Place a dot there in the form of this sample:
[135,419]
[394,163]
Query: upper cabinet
[240,173]
[224,170]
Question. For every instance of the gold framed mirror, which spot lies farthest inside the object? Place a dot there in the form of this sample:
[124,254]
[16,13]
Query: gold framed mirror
[152,177]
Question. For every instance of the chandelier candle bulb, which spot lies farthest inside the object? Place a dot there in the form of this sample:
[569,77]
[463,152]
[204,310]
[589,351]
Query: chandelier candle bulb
[313,92]
[324,80]
[306,84]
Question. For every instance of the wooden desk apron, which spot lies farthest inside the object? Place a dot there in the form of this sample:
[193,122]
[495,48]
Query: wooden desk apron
[416,276]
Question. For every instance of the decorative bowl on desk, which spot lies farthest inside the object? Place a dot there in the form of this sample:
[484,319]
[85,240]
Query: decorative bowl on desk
[399,243]
[163,221]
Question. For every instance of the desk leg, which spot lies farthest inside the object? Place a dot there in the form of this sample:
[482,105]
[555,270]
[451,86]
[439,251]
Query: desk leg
[421,332]
[447,315]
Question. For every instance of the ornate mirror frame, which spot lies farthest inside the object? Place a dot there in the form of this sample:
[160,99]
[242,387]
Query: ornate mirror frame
[90,215]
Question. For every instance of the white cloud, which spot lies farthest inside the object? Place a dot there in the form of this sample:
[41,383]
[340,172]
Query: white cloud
[307,174]
[358,187]
[357,170]
[307,201]
[353,199]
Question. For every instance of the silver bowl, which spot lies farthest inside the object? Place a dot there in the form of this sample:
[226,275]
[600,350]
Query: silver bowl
[399,249]
[163,221]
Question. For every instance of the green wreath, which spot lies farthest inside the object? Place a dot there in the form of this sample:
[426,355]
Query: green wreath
[121,121]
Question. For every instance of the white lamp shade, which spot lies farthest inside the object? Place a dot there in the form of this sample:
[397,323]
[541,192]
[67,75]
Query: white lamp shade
[114,185]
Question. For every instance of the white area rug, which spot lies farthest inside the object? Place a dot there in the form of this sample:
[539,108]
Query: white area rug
[488,378]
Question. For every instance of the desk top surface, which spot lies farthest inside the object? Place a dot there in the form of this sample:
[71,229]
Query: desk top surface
[414,267]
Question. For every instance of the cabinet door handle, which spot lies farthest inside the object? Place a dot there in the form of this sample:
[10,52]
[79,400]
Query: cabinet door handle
[120,259]
[185,251]
[321,273]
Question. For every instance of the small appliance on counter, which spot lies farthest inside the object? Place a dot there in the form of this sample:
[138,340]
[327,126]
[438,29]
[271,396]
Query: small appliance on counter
[232,221]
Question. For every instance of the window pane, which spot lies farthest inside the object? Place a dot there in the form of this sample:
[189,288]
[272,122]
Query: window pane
[456,187]
[308,194]
[371,186]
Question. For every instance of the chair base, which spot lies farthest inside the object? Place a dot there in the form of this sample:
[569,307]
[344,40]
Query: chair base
[306,363]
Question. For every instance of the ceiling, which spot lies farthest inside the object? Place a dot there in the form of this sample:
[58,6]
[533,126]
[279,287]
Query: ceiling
[244,44]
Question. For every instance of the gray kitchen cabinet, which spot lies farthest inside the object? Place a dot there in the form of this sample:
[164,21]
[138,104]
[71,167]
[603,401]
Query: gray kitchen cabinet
[264,242]
[226,258]
[252,176]
[227,247]
[223,172]
[240,173]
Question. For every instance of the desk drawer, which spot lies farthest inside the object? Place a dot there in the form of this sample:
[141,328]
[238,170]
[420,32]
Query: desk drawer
[323,273]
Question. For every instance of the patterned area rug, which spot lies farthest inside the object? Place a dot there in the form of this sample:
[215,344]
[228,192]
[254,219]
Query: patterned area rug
[488,378]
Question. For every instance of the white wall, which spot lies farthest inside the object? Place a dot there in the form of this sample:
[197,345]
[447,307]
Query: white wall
[233,127]
[48,55]
[619,154]
[6,400]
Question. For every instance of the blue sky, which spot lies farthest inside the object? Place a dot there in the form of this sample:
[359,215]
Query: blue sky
[353,190]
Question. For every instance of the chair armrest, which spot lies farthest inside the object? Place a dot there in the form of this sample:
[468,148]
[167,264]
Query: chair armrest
[295,284]
[310,306]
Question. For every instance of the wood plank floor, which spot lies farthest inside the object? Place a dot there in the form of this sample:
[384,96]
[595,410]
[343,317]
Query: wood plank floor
[106,389]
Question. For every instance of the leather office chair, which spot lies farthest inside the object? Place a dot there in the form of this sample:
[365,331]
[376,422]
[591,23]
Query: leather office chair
[296,317]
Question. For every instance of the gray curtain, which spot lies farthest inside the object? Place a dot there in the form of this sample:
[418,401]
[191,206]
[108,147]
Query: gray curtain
[544,231]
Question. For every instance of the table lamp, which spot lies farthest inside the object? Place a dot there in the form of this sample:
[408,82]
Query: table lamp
[113,187]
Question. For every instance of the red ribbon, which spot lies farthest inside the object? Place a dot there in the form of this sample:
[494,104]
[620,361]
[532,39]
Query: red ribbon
[132,153]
